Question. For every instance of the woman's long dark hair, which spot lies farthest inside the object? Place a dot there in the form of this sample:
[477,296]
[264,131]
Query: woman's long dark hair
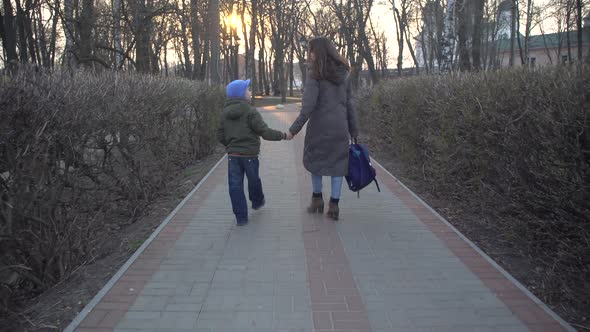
[327,59]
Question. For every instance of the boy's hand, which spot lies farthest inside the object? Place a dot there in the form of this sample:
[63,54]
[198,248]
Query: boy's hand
[290,136]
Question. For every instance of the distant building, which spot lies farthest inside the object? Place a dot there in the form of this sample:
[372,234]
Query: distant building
[545,49]
[548,49]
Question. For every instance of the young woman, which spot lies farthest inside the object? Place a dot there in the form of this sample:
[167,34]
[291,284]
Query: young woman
[332,122]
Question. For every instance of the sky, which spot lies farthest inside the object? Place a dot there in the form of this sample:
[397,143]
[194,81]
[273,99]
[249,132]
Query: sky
[382,15]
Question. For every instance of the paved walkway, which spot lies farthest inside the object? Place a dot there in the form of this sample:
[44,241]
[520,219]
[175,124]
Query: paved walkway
[389,264]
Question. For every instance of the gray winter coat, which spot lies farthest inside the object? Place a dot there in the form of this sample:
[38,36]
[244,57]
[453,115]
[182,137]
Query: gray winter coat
[332,122]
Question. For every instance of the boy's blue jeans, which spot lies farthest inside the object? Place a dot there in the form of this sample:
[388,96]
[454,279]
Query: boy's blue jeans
[237,167]
[316,181]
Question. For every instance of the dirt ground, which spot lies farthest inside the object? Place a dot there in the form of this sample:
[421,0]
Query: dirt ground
[57,307]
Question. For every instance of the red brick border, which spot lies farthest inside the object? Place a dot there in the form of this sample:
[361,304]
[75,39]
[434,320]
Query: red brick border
[112,307]
[529,312]
[336,303]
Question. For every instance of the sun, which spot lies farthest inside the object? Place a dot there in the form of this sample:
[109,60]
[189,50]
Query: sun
[233,21]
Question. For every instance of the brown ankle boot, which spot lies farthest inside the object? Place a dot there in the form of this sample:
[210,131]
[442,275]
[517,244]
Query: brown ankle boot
[333,210]
[317,204]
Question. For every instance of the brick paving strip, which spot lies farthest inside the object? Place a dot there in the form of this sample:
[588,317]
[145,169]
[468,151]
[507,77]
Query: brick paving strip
[110,305]
[390,264]
[527,307]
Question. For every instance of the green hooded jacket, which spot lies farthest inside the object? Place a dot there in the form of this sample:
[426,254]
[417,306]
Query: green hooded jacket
[241,127]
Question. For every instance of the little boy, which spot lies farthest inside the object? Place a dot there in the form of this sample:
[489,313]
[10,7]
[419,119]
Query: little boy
[239,131]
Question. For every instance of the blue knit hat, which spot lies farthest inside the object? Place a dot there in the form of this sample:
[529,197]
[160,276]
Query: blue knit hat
[237,89]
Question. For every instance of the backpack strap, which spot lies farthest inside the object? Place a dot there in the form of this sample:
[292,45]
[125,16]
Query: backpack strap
[377,184]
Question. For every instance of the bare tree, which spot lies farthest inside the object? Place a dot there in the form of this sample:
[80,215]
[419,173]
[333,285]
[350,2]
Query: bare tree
[448,40]
[117,33]
[513,36]
[568,24]
[251,70]
[86,40]
[363,11]
[380,47]
[531,14]
[9,34]
[400,16]
[183,17]
[214,41]
[195,36]
[579,28]
[478,9]
[463,16]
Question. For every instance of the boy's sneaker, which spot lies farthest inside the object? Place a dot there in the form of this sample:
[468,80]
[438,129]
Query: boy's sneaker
[242,222]
[258,206]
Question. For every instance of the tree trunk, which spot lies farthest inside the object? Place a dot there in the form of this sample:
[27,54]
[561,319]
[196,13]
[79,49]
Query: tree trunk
[35,56]
[205,71]
[252,49]
[154,63]
[448,40]
[527,32]
[579,27]
[426,52]
[9,35]
[166,59]
[520,50]
[379,54]
[463,16]
[188,67]
[411,49]
[261,62]
[214,41]
[69,31]
[364,45]
[512,32]
[22,35]
[399,23]
[567,31]
[291,64]
[261,70]
[477,33]
[195,34]
[86,40]
[53,39]
[142,40]
[117,34]
[41,38]
[246,41]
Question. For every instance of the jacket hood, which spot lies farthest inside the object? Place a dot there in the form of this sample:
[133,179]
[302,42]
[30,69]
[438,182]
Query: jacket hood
[235,108]
[339,75]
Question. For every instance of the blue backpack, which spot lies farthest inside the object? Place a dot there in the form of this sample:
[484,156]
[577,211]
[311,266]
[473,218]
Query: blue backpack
[360,170]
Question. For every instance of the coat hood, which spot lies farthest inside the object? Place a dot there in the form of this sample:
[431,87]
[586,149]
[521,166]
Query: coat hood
[339,75]
[235,108]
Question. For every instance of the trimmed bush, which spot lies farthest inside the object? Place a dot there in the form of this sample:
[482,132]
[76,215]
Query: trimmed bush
[514,144]
[82,153]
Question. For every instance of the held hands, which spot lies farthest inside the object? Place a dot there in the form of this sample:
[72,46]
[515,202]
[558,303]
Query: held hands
[289,136]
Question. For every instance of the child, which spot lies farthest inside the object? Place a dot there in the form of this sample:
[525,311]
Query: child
[239,131]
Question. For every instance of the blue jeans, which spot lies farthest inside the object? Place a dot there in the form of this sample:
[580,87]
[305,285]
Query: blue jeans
[316,181]
[237,166]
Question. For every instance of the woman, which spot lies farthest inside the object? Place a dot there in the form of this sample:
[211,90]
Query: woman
[327,105]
